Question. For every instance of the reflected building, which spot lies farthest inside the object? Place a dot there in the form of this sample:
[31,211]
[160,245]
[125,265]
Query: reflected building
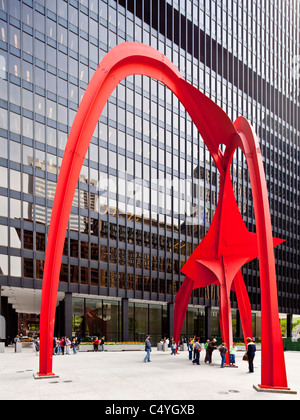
[148,188]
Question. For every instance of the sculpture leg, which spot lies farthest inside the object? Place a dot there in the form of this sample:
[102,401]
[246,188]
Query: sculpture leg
[244,306]
[273,371]
[181,304]
[225,316]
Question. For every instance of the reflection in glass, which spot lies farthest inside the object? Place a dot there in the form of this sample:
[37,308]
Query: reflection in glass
[40,213]
[74,274]
[15,152]
[28,239]
[104,278]
[3,177]
[27,211]
[94,276]
[15,208]
[3,265]
[15,238]
[39,269]
[141,321]
[84,275]
[3,235]
[28,268]
[15,267]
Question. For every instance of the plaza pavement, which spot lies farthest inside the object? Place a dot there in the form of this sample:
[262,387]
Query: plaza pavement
[113,376]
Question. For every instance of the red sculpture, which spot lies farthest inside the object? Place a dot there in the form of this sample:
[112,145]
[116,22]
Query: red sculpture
[222,252]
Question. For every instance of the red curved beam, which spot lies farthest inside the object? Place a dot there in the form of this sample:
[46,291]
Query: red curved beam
[124,60]
[273,371]
[213,124]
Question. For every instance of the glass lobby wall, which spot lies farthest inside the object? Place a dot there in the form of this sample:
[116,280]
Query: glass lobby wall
[194,324]
[147,319]
[97,317]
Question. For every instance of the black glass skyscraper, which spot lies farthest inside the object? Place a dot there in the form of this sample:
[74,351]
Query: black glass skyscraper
[148,188]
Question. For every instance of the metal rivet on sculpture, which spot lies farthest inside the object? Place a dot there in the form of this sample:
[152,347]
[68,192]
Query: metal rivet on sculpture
[228,244]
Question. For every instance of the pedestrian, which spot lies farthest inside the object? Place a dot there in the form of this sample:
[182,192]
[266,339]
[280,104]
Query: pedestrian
[206,359]
[54,346]
[102,342]
[210,348]
[223,350]
[251,349]
[62,345]
[73,345]
[174,346]
[58,348]
[194,347]
[198,350]
[68,346]
[147,349]
[232,351]
[37,345]
[190,348]
[17,339]
[96,344]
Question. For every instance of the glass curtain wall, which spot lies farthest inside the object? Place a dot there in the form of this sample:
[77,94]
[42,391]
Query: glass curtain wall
[97,317]
[148,188]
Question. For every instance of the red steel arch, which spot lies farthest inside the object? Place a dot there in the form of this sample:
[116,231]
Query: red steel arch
[215,128]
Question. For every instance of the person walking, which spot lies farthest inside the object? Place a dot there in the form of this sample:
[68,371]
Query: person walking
[223,350]
[197,350]
[232,351]
[147,349]
[251,349]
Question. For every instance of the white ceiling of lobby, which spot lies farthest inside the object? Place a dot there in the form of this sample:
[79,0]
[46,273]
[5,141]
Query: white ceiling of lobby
[26,301]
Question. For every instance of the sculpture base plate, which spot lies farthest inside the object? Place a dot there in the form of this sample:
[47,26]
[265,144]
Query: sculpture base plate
[230,366]
[48,376]
[261,388]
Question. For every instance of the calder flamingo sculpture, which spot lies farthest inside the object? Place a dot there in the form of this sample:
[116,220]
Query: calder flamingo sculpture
[222,253]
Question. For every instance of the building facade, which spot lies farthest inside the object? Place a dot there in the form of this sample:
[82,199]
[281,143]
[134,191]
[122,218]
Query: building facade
[148,188]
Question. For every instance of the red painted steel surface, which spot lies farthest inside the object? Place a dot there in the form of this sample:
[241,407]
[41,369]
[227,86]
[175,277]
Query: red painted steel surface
[228,244]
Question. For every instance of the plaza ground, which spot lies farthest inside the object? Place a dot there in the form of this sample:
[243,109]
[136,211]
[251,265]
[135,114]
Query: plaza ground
[111,376]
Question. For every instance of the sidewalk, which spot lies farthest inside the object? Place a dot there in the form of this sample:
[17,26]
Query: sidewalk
[124,376]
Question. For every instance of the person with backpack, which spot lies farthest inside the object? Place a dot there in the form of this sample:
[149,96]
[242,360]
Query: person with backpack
[197,351]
